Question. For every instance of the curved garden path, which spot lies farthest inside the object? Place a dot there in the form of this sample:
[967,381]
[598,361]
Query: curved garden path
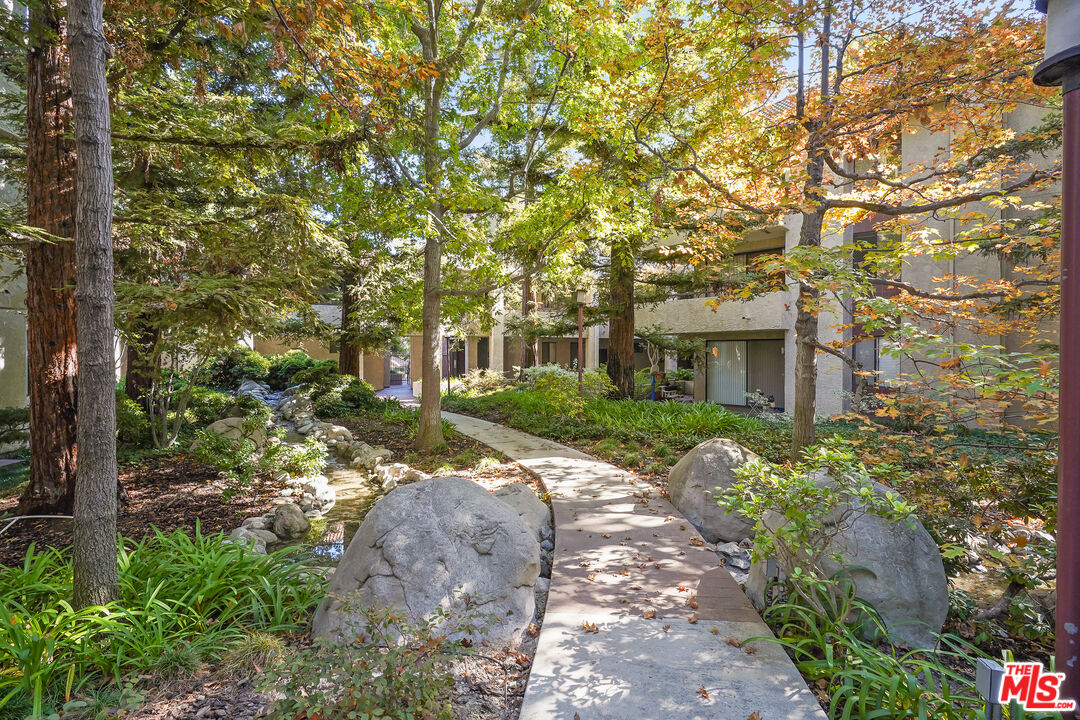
[642,622]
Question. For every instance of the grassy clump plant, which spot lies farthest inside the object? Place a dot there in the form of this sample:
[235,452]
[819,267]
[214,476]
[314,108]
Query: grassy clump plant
[184,599]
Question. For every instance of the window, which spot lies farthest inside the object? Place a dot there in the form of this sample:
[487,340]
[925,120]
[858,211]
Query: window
[547,352]
[874,356]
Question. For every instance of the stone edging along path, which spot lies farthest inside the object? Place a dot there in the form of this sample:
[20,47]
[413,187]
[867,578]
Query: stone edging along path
[642,623]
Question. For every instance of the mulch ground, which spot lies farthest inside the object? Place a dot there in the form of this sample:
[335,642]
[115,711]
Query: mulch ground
[162,493]
[462,453]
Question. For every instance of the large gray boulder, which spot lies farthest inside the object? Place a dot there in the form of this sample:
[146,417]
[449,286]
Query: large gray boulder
[441,543]
[697,479]
[895,565]
[525,503]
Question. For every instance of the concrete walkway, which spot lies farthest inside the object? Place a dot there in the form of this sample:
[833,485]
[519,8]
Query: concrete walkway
[668,619]
[402,393]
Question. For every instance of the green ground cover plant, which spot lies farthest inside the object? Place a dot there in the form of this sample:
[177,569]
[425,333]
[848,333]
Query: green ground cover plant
[184,600]
[391,668]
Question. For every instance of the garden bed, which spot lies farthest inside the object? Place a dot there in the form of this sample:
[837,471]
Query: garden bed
[166,493]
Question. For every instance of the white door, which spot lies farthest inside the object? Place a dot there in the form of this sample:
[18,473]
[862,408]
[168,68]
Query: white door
[726,371]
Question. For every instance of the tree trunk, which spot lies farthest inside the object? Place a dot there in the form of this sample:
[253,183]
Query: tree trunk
[139,369]
[348,351]
[620,364]
[806,333]
[50,268]
[803,433]
[806,341]
[94,567]
[528,351]
[429,435]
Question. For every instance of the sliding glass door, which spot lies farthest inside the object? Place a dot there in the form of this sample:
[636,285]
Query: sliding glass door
[726,371]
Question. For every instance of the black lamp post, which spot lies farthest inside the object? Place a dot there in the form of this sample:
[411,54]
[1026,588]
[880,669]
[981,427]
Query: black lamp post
[1062,67]
[579,296]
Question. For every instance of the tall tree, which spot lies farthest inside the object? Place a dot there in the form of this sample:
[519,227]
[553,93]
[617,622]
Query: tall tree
[95,579]
[431,80]
[50,266]
[824,146]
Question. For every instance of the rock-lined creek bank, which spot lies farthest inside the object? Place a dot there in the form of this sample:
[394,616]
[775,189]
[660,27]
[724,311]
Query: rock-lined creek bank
[321,513]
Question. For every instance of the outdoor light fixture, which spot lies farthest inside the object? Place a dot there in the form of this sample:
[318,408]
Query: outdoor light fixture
[1062,67]
[1062,63]
[579,296]
[988,676]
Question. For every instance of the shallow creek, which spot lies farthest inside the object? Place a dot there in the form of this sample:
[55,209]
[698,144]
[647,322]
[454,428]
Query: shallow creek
[355,496]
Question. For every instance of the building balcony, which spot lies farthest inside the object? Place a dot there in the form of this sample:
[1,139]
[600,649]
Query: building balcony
[695,316]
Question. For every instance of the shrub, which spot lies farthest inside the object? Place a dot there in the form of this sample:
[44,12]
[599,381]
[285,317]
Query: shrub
[336,396]
[207,405]
[132,424]
[14,424]
[234,458]
[318,373]
[303,461]
[809,506]
[232,366]
[479,382]
[284,366]
[239,461]
[561,390]
[183,599]
[360,395]
[534,373]
[393,669]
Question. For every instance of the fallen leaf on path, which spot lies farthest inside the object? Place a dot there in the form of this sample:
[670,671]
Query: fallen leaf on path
[705,694]
[749,650]
[692,619]
[692,602]
[589,627]
[715,630]
[648,613]
[666,628]
[733,642]
[682,527]
[754,716]
[606,535]
[681,588]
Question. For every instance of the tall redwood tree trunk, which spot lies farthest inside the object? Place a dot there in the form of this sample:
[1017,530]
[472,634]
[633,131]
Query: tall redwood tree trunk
[348,351]
[620,364]
[50,267]
[94,567]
